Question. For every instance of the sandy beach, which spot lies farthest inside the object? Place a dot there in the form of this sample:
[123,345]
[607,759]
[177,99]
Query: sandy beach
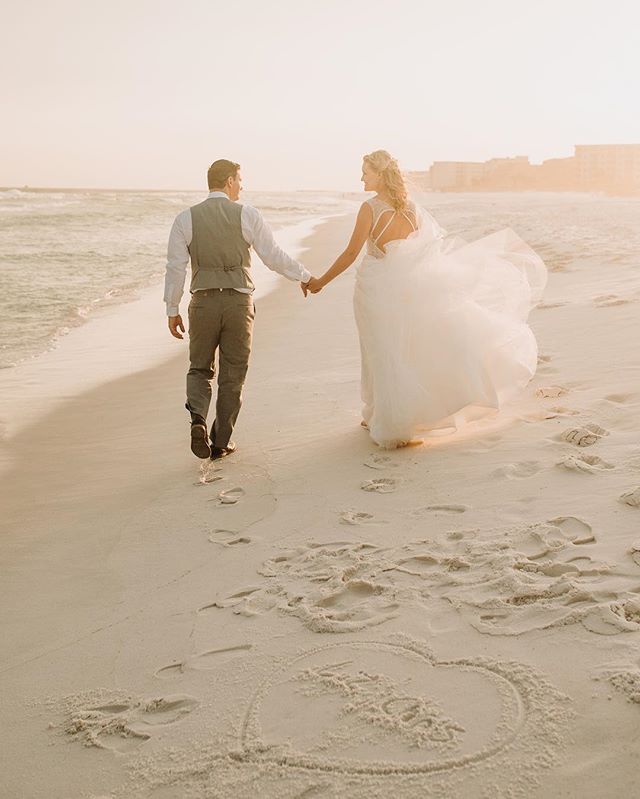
[313,616]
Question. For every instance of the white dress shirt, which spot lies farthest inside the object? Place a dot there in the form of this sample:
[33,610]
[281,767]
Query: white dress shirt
[255,232]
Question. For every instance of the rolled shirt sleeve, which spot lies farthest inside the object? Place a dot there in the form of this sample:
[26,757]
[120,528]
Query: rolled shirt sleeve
[177,261]
[258,234]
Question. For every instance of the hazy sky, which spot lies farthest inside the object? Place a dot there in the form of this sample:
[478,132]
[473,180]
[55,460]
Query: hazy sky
[146,93]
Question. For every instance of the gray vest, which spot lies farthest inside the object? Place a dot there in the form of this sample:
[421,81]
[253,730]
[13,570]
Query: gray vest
[220,257]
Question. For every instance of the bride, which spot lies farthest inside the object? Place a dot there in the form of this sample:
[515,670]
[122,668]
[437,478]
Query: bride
[442,323]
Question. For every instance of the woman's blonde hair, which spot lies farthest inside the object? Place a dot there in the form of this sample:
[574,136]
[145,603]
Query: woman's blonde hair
[387,167]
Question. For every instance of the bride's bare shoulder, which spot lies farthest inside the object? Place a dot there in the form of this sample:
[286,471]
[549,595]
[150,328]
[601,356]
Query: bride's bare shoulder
[362,227]
[366,212]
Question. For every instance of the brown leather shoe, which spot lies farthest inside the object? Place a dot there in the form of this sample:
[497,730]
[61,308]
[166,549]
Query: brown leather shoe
[222,452]
[200,441]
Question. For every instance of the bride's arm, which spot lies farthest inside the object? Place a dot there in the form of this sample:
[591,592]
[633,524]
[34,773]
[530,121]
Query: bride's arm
[360,234]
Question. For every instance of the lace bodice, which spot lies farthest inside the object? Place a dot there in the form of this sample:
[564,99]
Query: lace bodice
[379,208]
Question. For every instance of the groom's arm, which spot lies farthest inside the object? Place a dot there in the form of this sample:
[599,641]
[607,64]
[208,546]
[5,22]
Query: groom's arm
[258,234]
[176,271]
[177,261]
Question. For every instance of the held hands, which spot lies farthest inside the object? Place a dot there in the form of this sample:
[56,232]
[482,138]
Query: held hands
[175,326]
[312,286]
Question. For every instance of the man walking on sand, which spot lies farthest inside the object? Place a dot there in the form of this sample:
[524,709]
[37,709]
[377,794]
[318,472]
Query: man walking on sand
[217,235]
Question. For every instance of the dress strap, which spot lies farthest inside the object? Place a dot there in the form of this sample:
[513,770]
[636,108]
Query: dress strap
[375,241]
[409,220]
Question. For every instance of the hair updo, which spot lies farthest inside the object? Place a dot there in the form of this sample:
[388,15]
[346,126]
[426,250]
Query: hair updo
[387,167]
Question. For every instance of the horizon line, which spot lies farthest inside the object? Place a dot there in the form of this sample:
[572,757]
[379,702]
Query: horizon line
[27,187]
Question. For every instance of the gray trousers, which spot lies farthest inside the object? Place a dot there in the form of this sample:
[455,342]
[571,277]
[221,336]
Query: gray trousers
[222,320]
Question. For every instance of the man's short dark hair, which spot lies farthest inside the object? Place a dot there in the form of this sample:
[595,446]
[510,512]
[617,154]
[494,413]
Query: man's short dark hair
[219,171]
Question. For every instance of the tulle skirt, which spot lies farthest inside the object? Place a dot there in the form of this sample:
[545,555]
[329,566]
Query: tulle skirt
[443,330]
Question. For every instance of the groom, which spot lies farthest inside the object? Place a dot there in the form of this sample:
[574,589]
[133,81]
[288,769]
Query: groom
[217,236]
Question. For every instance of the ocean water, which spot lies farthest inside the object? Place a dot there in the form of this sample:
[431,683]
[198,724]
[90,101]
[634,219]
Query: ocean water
[66,254]
[82,272]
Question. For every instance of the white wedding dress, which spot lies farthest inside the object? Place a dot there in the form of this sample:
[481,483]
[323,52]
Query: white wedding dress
[443,326]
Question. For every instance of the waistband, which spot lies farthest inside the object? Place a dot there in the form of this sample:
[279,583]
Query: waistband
[212,292]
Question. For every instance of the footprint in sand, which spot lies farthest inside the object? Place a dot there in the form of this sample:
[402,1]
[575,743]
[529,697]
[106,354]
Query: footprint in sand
[440,509]
[609,301]
[575,530]
[458,535]
[209,473]
[227,538]
[484,444]
[356,517]
[559,263]
[335,546]
[622,615]
[545,306]
[418,564]
[631,497]
[359,604]
[584,436]
[589,464]
[250,601]
[381,485]
[230,497]
[547,392]
[380,462]
[519,471]
[210,659]
[549,413]
[623,399]
[125,725]
[560,410]
[213,658]
[319,562]
[232,599]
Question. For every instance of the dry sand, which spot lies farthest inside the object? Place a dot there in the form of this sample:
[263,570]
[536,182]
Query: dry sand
[314,617]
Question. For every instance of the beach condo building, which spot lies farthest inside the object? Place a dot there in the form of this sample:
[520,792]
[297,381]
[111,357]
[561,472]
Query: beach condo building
[613,168]
[498,174]
[507,174]
[418,180]
[455,175]
[610,168]
[556,174]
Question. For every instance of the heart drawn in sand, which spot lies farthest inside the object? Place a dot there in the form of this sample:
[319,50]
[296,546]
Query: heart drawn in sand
[390,707]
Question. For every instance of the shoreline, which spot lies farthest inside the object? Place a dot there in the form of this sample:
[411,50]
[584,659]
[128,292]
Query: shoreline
[158,613]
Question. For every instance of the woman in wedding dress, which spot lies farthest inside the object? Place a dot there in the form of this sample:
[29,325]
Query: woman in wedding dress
[443,326]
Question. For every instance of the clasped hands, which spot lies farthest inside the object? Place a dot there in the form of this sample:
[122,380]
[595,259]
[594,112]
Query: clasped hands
[312,286]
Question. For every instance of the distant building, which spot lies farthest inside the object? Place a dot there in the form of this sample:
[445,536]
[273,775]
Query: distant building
[506,174]
[494,175]
[555,174]
[418,180]
[612,168]
[454,175]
